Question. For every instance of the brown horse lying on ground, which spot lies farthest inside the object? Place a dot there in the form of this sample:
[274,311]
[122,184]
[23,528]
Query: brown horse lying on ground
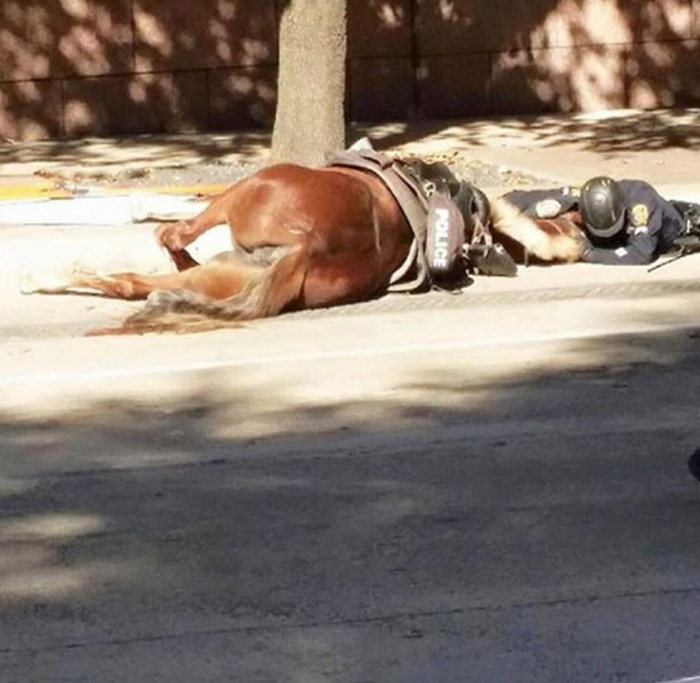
[303,238]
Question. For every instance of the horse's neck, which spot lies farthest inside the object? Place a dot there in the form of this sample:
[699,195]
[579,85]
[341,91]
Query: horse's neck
[406,189]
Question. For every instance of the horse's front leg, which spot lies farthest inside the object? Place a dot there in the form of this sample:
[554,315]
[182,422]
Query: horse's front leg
[175,236]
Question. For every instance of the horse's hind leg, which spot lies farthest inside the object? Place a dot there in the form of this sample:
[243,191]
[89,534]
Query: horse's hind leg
[216,279]
[116,285]
[261,291]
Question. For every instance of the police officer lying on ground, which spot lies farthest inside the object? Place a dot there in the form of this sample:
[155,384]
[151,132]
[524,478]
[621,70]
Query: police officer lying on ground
[626,222]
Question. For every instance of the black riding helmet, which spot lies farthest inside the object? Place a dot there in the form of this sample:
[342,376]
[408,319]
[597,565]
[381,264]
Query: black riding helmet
[602,208]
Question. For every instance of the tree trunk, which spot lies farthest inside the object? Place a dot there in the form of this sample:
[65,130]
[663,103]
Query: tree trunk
[310,117]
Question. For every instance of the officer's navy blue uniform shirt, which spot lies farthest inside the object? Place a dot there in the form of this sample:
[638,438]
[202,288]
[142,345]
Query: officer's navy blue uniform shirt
[651,222]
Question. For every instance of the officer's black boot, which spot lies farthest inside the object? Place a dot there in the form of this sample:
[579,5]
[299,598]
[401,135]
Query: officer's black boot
[691,216]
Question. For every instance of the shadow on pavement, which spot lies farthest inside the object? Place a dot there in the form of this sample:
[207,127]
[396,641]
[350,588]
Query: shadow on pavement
[538,532]
[625,131]
[139,152]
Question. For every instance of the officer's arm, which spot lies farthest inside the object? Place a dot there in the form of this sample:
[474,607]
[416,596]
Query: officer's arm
[525,200]
[542,203]
[640,248]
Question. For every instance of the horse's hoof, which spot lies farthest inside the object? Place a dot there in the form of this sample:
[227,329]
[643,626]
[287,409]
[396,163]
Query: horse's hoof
[45,283]
[27,284]
[694,464]
[172,236]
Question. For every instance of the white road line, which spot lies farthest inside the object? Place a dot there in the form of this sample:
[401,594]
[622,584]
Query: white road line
[280,359]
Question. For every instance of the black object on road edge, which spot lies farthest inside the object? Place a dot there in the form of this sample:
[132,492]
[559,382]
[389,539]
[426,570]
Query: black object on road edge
[694,464]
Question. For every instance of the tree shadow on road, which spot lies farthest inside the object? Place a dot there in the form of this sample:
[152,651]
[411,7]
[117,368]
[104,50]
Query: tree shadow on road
[290,542]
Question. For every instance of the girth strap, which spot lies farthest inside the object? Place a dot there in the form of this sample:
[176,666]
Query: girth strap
[410,197]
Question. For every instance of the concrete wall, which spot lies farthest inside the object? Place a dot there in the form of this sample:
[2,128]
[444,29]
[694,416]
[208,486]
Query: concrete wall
[70,68]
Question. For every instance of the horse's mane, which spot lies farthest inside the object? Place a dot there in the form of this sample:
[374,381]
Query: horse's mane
[556,239]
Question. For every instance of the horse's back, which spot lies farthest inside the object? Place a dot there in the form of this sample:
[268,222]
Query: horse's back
[327,209]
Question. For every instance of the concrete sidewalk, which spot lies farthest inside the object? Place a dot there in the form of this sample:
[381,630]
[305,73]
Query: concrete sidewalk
[662,147]
[658,146]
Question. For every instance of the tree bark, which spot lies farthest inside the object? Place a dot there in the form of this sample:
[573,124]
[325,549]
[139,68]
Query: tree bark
[310,116]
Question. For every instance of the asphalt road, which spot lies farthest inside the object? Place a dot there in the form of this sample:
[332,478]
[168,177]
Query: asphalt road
[432,494]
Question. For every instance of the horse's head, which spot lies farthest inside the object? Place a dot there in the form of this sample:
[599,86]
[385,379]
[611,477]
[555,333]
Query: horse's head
[473,204]
[479,249]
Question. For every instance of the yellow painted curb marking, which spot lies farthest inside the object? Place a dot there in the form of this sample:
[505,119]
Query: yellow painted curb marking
[40,191]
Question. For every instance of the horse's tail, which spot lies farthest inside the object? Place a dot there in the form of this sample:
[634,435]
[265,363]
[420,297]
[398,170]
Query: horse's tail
[183,311]
[547,245]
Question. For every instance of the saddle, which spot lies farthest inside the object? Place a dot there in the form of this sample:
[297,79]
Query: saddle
[441,212]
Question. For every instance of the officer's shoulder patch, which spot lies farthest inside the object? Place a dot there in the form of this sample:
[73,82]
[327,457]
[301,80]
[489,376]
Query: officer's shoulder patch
[547,208]
[639,215]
